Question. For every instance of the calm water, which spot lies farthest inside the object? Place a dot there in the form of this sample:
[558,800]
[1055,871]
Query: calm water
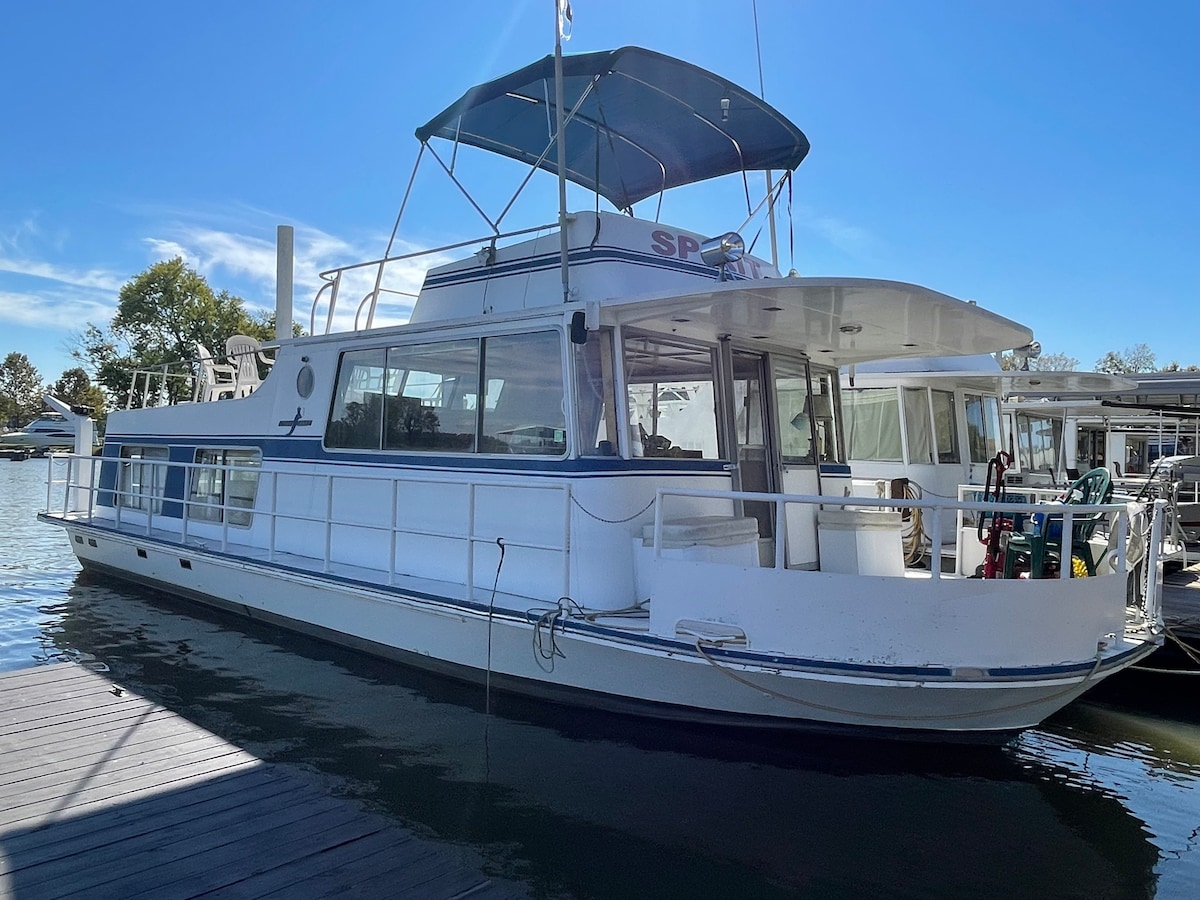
[1102,801]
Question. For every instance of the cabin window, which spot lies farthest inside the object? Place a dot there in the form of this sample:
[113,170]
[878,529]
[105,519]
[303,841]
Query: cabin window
[791,409]
[223,484]
[945,427]
[143,478]
[523,401]
[824,411]
[873,424]
[496,395]
[1037,438]
[432,397]
[356,420]
[596,395]
[917,425]
[672,408]
[983,427]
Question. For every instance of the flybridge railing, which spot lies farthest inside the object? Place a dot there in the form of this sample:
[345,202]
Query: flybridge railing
[74,495]
[364,312]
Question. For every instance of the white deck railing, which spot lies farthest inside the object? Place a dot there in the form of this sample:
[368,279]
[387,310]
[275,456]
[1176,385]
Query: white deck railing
[74,496]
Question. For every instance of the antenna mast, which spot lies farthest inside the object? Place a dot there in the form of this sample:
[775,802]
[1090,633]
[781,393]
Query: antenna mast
[562,26]
[762,93]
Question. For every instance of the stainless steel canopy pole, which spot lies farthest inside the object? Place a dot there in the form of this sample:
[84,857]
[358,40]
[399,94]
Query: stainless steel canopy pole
[562,15]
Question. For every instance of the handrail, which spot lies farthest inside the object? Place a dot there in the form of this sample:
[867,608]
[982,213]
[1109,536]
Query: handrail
[273,515]
[937,507]
[333,277]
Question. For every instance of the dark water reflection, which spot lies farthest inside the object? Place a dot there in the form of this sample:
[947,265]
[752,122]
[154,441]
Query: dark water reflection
[1100,802]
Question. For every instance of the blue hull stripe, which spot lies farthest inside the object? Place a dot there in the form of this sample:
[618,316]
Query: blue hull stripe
[550,262]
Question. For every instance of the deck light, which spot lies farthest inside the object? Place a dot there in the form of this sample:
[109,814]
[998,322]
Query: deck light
[722,250]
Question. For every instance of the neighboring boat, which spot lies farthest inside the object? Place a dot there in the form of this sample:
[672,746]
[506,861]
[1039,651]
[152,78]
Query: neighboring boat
[62,427]
[941,427]
[50,431]
[490,491]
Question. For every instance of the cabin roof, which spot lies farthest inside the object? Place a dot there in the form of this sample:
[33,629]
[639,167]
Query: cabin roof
[837,321]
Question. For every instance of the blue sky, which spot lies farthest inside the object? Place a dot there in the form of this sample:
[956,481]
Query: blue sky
[1039,156]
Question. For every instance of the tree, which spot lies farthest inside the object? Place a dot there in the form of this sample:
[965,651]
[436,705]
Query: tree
[20,390]
[1054,362]
[1046,362]
[75,388]
[161,315]
[1139,358]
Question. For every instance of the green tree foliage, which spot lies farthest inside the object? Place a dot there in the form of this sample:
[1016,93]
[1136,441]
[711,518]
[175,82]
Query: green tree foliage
[1046,362]
[161,315]
[76,388]
[20,390]
[1054,362]
[1139,358]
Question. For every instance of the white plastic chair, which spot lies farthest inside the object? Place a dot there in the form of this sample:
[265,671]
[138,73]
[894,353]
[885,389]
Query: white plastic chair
[217,380]
[244,352]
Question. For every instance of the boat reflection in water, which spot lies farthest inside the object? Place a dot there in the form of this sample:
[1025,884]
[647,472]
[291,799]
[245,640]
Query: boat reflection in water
[580,803]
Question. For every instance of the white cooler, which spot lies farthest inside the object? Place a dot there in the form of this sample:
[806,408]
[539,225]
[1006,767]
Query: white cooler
[860,541]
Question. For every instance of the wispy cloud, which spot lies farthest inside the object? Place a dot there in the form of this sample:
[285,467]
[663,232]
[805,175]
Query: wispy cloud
[56,310]
[216,253]
[96,279]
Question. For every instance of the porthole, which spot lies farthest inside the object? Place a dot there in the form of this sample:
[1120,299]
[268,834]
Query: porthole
[305,381]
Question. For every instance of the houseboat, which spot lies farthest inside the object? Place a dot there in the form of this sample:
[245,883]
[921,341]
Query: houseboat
[604,462]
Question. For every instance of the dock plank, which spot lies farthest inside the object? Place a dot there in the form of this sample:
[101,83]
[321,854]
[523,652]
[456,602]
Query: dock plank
[105,794]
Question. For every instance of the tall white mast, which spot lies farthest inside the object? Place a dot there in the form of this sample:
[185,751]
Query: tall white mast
[561,23]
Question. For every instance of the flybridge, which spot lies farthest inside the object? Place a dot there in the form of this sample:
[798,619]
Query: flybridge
[635,123]
[611,256]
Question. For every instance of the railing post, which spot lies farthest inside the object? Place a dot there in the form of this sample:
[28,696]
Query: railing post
[273,516]
[935,540]
[566,550]
[325,566]
[224,507]
[1066,552]
[392,531]
[780,562]
[471,540]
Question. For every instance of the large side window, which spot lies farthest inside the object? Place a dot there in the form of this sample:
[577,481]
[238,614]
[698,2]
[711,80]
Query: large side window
[945,427]
[143,478]
[224,482]
[1038,438]
[873,424]
[672,398]
[500,394]
[432,399]
[523,403]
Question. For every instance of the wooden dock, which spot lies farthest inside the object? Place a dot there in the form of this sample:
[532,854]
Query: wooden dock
[104,794]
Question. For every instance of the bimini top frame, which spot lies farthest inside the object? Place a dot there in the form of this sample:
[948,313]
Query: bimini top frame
[637,123]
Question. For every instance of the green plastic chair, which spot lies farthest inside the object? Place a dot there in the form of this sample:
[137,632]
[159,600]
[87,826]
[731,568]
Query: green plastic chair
[1040,552]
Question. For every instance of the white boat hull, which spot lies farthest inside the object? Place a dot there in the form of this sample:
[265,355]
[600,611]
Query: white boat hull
[597,666]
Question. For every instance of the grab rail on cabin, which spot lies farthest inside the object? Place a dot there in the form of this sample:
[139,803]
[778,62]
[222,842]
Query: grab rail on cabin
[333,278]
[80,489]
